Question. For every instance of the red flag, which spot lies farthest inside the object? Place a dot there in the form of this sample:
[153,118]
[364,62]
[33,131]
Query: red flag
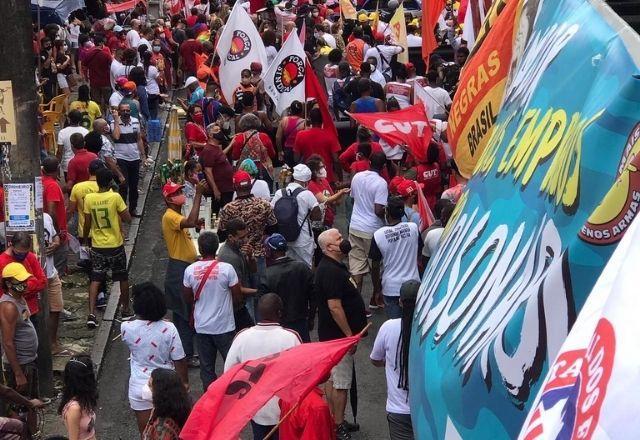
[313,89]
[424,211]
[234,398]
[254,5]
[124,6]
[409,127]
[431,10]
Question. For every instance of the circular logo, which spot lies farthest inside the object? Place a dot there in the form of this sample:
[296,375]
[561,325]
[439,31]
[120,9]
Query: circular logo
[240,46]
[289,73]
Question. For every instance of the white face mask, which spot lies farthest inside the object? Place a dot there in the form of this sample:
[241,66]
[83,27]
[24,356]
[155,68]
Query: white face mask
[322,173]
[146,393]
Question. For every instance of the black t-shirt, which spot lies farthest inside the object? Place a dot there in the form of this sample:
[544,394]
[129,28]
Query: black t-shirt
[333,281]
[352,89]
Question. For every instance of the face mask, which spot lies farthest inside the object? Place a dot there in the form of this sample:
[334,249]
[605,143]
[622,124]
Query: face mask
[345,247]
[198,118]
[178,200]
[322,173]
[156,49]
[146,393]
[19,256]
[315,14]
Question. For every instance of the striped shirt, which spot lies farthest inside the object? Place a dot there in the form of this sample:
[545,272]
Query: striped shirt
[126,148]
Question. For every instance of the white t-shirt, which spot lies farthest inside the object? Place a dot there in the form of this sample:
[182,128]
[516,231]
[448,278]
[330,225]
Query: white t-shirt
[272,53]
[414,41]
[367,189]
[117,70]
[213,311]
[329,39]
[152,81]
[49,234]
[115,99]
[436,100]
[306,202]
[256,342]
[398,245]
[144,42]
[432,242]
[378,77]
[385,348]
[260,189]
[153,344]
[133,38]
[387,51]
[401,91]
[64,139]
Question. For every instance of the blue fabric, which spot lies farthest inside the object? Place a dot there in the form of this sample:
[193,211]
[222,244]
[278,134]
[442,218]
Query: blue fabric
[365,104]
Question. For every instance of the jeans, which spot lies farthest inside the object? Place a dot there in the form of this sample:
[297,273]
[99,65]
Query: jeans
[242,318]
[208,346]
[392,307]
[301,326]
[154,102]
[129,191]
[185,332]
[256,278]
[400,426]
[261,431]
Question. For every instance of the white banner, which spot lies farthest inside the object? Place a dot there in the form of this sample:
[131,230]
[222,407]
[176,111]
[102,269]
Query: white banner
[285,78]
[240,44]
[590,391]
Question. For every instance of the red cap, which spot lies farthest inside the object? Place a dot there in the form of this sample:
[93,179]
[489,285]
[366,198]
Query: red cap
[241,178]
[121,81]
[170,188]
[395,182]
[407,188]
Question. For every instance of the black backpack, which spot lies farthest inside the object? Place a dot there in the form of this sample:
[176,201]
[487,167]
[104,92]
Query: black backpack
[286,212]
[341,99]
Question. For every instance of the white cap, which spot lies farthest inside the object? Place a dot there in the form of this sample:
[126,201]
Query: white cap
[117,28]
[301,173]
[190,80]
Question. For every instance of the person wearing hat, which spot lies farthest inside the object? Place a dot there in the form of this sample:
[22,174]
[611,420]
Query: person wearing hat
[182,253]
[391,351]
[414,79]
[384,54]
[396,247]
[407,190]
[292,281]
[308,211]
[117,39]
[259,188]
[19,338]
[194,91]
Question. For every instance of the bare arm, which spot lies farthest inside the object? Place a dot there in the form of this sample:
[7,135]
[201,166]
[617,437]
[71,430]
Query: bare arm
[379,210]
[338,315]
[8,319]
[72,420]
[113,166]
[86,230]
[143,154]
[187,294]
[236,293]
[208,174]
[125,216]
[316,214]
[183,371]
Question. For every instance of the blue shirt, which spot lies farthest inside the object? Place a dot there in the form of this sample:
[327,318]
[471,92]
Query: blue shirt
[196,96]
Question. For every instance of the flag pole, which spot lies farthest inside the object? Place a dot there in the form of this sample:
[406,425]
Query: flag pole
[294,407]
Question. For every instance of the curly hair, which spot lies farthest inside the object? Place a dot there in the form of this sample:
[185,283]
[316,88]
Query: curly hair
[170,398]
[79,384]
[148,301]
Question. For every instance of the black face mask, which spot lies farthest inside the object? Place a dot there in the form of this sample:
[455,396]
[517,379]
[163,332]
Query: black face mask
[345,247]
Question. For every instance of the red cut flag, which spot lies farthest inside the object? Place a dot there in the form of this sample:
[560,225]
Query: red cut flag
[313,89]
[124,6]
[234,398]
[409,126]
[431,10]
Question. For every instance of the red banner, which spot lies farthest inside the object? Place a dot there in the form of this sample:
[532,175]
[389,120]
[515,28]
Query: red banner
[234,398]
[124,6]
[313,89]
[409,127]
[431,10]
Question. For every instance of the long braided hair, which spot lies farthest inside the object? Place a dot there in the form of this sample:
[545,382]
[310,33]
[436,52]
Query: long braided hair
[408,296]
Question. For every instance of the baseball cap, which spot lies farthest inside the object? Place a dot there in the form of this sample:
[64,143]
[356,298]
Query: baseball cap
[118,28]
[410,66]
[276,242]
[190,80]
[408,188]
[17,271]
[301,173]
[121,81]
[409,290]
[129,86]
[395,182]
[241,179]
[362,17]
[170,188]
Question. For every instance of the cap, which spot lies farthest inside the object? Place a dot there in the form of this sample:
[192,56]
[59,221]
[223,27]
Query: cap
[408,188]
[118,28]
[410,66]
[409,290]
[373,15]
[276,242]
[395,182]
[17,271]
[301,173]
[241,179]
[362,17]
[121,81]
[170,188]
[129,86]
[254,66]
[190,80]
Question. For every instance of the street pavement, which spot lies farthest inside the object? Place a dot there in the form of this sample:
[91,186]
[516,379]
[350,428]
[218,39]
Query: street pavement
[115,420]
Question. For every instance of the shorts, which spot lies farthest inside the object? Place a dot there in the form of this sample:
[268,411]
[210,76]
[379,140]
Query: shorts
[62,81]
[31,373]
[105,259]
[54,292]
[342,373]
[359,255]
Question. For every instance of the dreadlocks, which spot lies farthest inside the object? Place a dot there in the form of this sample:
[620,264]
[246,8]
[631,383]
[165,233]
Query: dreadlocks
[402,354]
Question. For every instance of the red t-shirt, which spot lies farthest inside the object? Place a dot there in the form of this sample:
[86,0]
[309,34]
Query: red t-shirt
[188,49]
[349,155]
[51,192]
[429,176]
[79,166]
[191,20]
[213,157]
[98,64]
[34,284]
[324,187]
[238,143]
[320,141]
[194,133]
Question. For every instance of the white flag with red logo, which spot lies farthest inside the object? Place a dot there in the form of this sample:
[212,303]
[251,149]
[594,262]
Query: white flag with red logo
[240,45]
[284,80]
[591,389]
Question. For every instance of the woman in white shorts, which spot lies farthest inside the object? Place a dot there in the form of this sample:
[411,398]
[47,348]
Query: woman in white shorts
[154,343]
[64,66]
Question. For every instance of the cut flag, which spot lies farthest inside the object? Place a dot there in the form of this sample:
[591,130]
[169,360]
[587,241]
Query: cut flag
[239,45]
[233,399]
[284,80]
[431,10]
[409,126]
[314,90]
[399,33]
[124,6]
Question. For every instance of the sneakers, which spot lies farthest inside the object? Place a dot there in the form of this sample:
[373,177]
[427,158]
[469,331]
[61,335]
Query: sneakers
[126,315]
[66,315]
[101,301]
[342,433]
[351,427]
[92,321]
[193,362]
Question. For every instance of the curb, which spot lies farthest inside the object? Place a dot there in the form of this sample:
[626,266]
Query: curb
[103,332]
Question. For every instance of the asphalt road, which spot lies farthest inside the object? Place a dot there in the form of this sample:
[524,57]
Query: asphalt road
[115,420]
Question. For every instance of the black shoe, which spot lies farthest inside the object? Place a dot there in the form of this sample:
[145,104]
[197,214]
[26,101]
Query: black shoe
[342,433]
[92,322]
[351,427]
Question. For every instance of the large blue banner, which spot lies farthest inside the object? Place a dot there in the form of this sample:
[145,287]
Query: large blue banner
[553,193]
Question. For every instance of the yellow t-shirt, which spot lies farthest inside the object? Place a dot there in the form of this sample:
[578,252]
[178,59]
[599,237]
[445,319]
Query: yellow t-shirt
[178,240]
[104,208]
[89,111]
[78,192]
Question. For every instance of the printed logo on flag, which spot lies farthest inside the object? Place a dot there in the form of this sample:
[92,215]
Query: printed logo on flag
[289,73]
[570,404]
[240,46]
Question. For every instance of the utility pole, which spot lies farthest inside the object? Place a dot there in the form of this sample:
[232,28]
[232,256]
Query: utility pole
[20,150]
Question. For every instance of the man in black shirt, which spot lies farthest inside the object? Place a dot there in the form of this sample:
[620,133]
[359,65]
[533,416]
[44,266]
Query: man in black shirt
[341,313]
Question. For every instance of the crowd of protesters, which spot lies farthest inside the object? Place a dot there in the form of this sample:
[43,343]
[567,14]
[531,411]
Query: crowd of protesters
[300,217]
